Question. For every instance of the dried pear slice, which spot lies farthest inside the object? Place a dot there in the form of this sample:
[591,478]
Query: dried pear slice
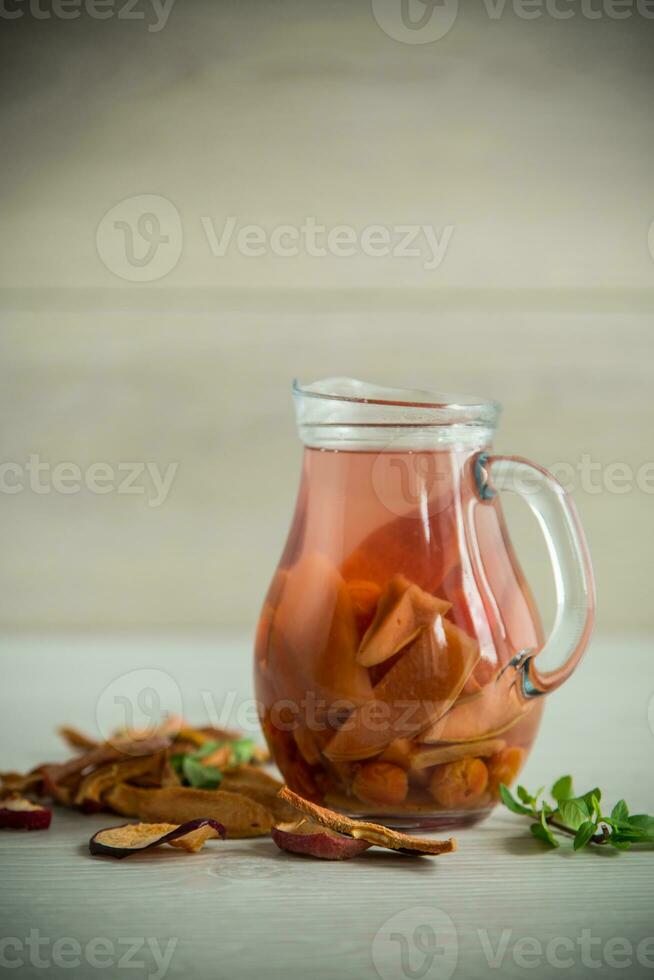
[93,786]
[403,609]
[258,785]
[312,839]
[76,739]
[130,838]
[370,832]
[240,815]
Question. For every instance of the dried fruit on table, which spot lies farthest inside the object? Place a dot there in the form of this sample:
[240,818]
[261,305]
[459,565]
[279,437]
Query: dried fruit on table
[76,739]
[21,814]
[403,610]
[120,842]
[258,785]
[370,832]
[240,815]
[304,836]
[17,783]
[96,783]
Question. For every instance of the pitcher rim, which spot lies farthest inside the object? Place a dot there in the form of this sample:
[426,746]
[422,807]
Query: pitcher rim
[430,407]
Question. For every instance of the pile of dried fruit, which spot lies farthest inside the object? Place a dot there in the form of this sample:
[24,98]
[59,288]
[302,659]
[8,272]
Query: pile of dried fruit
[173,775]
[189,785]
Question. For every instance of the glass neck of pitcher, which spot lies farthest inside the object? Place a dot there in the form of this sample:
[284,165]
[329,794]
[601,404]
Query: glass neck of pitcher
[346,414]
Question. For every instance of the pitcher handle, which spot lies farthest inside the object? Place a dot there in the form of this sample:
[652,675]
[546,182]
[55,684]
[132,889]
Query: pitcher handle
[568,551]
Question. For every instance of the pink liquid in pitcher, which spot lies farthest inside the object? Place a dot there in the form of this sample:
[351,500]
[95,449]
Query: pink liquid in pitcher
[397,602]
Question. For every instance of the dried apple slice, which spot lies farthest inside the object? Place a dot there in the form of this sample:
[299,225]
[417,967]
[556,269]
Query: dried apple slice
[371,832]
[18,783]
[402,611]
[312,839]
[20,814]
[130,838]
[241,816]
[419,688]
[93,786]
[260,786]
[76,739]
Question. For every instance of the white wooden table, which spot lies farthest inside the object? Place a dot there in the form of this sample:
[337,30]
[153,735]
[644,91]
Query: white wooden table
[501,905]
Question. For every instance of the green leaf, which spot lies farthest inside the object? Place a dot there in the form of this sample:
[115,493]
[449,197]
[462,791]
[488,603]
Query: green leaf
[199,776]
[541,831]
[620,812]
[177,761]
[620,845]
[243,749]
[205,749]
[584,834]
[643,821]
[562,789]
[524,795]
[588,798]
[510,802]
[574,812]
[635,835]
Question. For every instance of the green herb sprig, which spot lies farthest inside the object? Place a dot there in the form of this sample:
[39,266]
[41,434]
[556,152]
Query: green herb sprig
[193,772]
[579,817]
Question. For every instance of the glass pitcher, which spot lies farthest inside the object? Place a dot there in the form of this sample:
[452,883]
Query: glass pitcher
[395,662]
